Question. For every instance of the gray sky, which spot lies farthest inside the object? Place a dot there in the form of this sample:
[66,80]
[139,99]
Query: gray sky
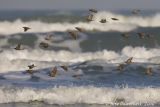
[79,4]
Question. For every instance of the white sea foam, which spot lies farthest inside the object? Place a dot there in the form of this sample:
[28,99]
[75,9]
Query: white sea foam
[125,23]
[84,94]
[19,60]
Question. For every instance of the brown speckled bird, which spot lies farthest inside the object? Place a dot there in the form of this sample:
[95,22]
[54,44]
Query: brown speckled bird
[44,45]
[125,35]
[141,35]
[73,34]
[48,37]
[18,47]
[120,67]
[53,72]
[149,71]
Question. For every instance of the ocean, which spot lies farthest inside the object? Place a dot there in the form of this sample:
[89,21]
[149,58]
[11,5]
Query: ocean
[92,78]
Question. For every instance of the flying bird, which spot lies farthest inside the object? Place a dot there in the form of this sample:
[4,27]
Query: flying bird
[53,72]
[141,35]
[103,21]
[48,37]
[115,19]
[120,67]
[129,61]
[31,66]
[149,71]
[73,34]
[89,18]
[125,35]
[44,45]
[64,67]
[79,29]
[18,47]
[26,29]
[93,10]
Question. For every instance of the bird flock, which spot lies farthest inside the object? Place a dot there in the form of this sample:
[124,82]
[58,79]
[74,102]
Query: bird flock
[74,34]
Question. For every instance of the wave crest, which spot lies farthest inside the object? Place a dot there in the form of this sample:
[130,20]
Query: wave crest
[88,95]
[125,24]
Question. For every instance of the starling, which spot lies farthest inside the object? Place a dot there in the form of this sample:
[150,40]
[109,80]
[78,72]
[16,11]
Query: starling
[141,35]
[31,66]
[18,47]
[79,29]
[129,61]
[125,35]
[73,34]
[115,19]
[89,18]
[44,45]
[103,21]
[48,38]
[120,67]
[64,67]
[53,72]
[26,29]
[149,71]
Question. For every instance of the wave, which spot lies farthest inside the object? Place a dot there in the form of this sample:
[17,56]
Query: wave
[18,60]
[84,94]
[125,24]
[38,26]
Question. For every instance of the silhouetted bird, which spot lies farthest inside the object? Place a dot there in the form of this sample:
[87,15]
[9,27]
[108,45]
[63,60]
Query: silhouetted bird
[53,72]
[31,66]
[79,29]
[115,19]
[93,10]
[48,37]
[64,67]
[141,35]
[120,67]
[129,61]
[44,45]
[18,47]
[125,35]
[103,21]
[73,34]
[26,29]
[149,71]
[89,18]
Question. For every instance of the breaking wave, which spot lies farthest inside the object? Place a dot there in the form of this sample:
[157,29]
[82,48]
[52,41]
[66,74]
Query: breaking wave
[84,94]
[17,60]
[125,24]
